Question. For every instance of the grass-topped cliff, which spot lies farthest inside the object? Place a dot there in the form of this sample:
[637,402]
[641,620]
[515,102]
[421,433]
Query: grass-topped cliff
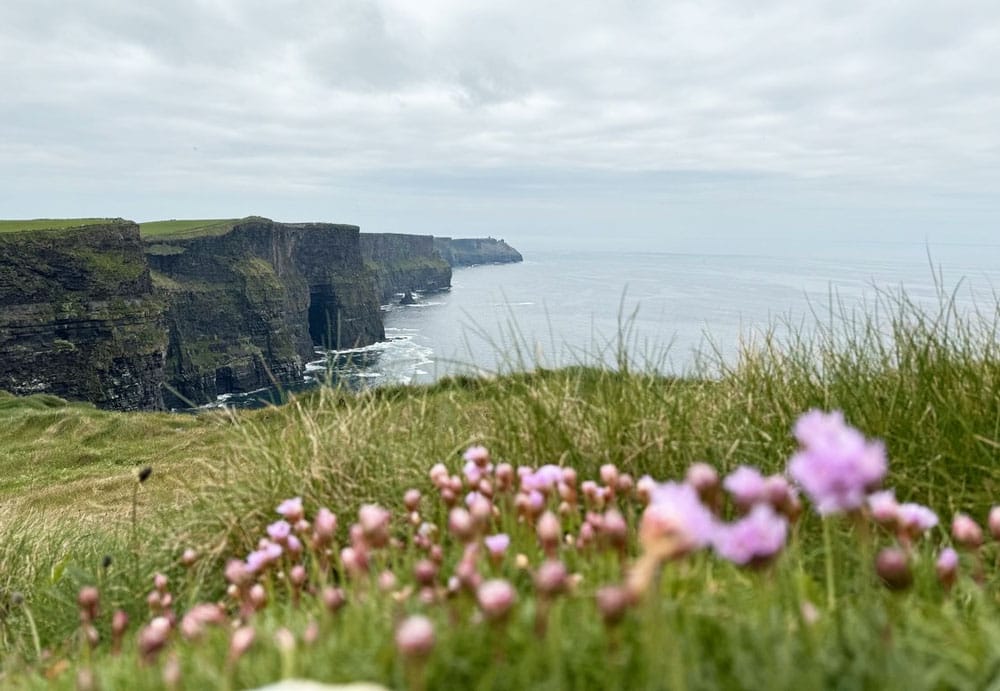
[13,226]
[816,615]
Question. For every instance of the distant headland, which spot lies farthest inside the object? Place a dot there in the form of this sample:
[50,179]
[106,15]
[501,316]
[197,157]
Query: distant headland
[167,313]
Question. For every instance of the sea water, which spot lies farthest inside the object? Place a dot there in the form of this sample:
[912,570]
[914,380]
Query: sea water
[665,310]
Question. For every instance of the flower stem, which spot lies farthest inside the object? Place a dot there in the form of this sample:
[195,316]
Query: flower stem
[831,588]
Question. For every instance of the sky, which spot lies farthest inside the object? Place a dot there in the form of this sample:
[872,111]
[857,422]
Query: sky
[688,125]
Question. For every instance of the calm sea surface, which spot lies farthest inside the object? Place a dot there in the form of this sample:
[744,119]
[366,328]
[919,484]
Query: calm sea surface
[560,307]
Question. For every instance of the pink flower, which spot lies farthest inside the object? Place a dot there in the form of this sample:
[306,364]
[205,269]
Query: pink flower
[495,598]
[545,479]
[746,486]
[753,540]
[291,509]
[374,522]
[279,531]
[947,567]
[993,521]
[676,513]
[415,637]
[478,455]
[704,478]
[893,566]
[966,531]
[883,507]
[915,519]
[473,473]
[836,465]
[497,544]
[325,526]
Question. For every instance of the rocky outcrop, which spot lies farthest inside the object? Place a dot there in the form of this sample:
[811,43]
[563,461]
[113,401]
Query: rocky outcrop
[246,308]
[79,318]
[471,251]
[402,263]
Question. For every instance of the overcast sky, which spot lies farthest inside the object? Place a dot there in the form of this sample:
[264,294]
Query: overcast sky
[689,122]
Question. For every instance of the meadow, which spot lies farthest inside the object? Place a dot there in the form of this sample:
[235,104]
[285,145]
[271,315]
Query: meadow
[346,537]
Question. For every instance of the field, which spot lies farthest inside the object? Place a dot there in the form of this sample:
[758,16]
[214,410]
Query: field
[50,224]
[185,229]
[404,602]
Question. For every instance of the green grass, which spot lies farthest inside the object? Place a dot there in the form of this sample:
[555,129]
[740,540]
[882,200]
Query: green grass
[51,224]
[925,381]
[175,229]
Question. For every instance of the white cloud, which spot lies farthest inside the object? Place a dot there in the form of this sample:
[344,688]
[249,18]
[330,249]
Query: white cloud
[269,95]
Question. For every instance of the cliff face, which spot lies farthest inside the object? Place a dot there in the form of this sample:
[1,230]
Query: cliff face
[470,251]
[246,308]
[404,262]
[78,316]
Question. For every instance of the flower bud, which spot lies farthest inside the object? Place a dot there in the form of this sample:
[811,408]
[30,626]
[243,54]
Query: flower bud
[966,531]
[893,567]
[425,572]
[612,602]
[415,637]
[160,582]
[609,474]
[411,499]
[88,599]
[189,557]
[333,599]
[461,525]
[549,531]
[240,642]
[551,578]
[947,567]
[495,598]
[994,522]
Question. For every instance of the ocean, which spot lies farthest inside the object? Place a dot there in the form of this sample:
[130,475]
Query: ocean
[563,307]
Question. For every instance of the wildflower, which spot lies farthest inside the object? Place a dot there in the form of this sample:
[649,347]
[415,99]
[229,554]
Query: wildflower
[411,499]
[439,475]
[497,545]
[705,480]
[495,599]
[947,567]
[544,480]
[915,519]
[324,527]
[333,599]
[415,637]
[481,509]
[152,638]
[614,529]
[551,578]
[836,465]
[753,540]
[387,581]
[644,489]
[473,473]
[612,602]
[257,596]
[966,531]
[189,557]
[993,521]
[119,624]
[374,522]
[504,476]
[425,572]
[291,509]
[478,455]
[746,486]
[609,474]
[88,599]
[460,524]
[279,531]
[549,532]
[240,642]
[237,572]
[893,567]
[675,522]
[884,508]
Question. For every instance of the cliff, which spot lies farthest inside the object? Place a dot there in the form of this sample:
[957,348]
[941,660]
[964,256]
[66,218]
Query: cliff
[247,304]
[400,263]
[78,315]
[470,251]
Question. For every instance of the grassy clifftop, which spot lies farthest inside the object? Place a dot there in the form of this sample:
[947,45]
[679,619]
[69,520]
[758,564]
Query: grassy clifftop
[52,224]
[816,617]
[175,229]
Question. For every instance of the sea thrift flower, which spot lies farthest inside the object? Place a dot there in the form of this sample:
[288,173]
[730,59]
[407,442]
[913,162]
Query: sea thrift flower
[333,599]
[993,521]
[461,525]
[947,567]
[614,529]
[753,540]
[279,531]
[160,582]
[291,509]
[189,557]
[675,522]
[504,476]
[425,572]
[893,567]
[240,642]
[609,474]
[481,509]
[551,578]
[644,489]
[914,519]
[237,572]
[439,475]
[478,455]
[119,624]
[324,527]
[549,532]
[836,465]
[705,480]
[613,602]
[152,638]
[88,599]
[495,599]
[411,499]
[257,596]
[884,508]
[415,637]
[746,486]
[473,473]
[497,545]
[966,531]
[374,522]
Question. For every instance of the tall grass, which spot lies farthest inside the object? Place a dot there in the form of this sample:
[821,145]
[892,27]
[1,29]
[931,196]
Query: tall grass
[926,380]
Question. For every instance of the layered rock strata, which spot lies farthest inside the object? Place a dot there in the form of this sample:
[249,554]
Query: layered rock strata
[79,318]
[404,263]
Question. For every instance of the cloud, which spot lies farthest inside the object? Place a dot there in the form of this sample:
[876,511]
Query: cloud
[295,97]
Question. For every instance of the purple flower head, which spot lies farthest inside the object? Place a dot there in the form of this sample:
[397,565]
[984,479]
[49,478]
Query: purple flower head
[755,539]
[676,513]
[544,479]
[948,559]
[291,509]
[915,519]
[473,473]
[257,561]
[478,455]
[746,486]
[884,507]
[279,531]
[497,544]
[836,465]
